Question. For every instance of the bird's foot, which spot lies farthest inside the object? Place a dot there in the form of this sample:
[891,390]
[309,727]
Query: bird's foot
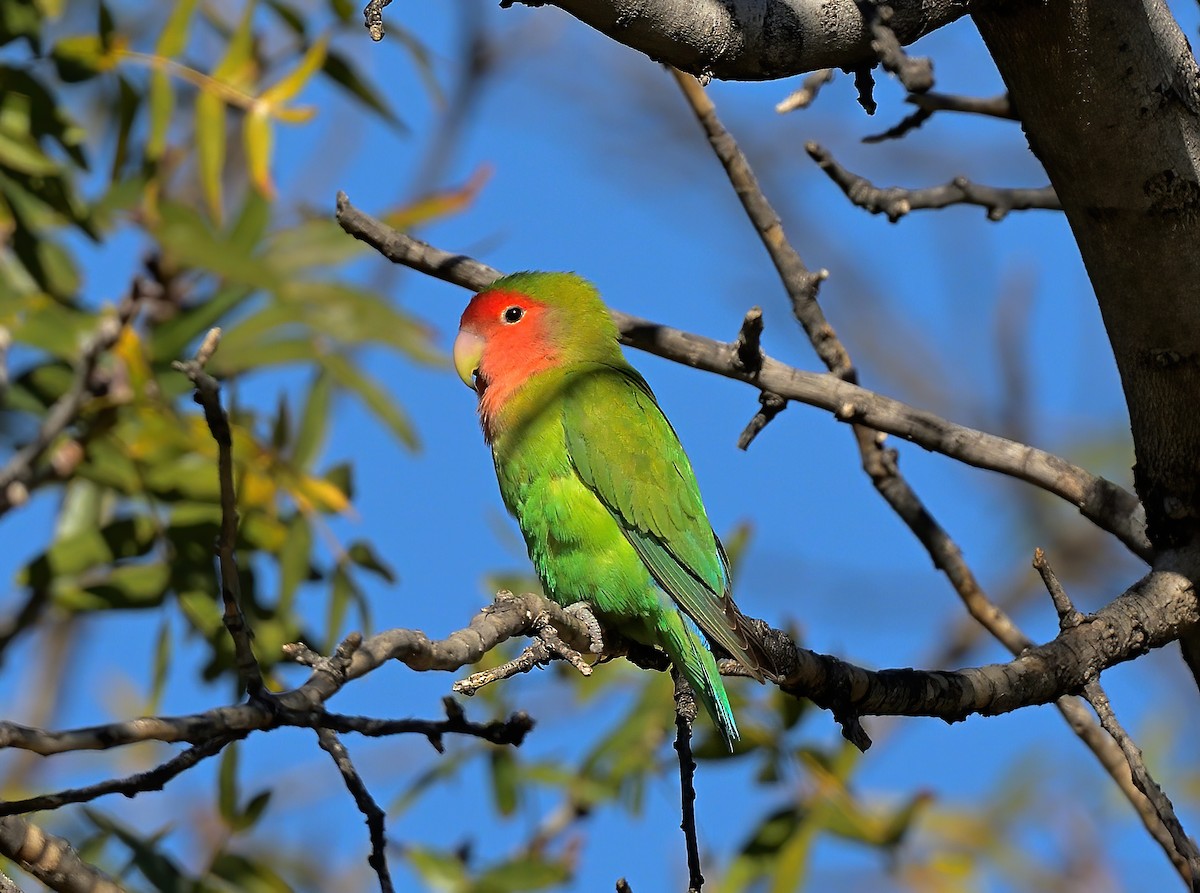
[582,612]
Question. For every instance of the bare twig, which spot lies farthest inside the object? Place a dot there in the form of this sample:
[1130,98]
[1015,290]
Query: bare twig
[928,103]
[1106,504]
[19,474]
[152,780]
[800,282]
[366,805]
[51,859]
[895,202]
[993,107]
[906,125]
[747,347]
[1186,855]
[685,715]
[208,395]
[809,88]
[1067,615]
[771,404]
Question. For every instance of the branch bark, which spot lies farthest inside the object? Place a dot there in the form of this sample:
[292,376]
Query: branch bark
[754,39]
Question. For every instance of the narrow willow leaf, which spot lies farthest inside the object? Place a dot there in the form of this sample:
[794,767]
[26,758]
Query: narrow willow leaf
[210,148]
[374,396]
[314,421]
[290,85]
[257,138]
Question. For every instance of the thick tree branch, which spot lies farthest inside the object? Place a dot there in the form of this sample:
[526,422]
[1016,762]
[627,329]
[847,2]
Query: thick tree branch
[1104,503]
[1122,81]
[754,39]
[895,202]
[1148,615]
[51,859]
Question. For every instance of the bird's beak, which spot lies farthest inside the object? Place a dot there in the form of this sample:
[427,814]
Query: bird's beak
[468,348]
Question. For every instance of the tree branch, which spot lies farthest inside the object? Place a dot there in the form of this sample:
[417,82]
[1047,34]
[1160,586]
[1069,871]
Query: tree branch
[895,202]
[18,475]
[685,715]
[1104,503]
[208,396]
[375,817]
[1148,615]
[51,859]
[1155,809]
[753,39]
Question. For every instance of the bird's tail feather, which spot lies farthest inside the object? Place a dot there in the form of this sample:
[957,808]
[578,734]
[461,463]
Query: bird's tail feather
[690,654]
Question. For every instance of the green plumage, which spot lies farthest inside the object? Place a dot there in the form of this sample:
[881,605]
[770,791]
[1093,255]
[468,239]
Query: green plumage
[607,500]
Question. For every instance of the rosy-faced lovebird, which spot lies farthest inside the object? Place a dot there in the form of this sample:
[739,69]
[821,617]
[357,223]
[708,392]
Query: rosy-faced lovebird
[597,480]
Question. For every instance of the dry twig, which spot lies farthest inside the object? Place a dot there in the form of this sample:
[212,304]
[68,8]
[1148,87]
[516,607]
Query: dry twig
[895,202]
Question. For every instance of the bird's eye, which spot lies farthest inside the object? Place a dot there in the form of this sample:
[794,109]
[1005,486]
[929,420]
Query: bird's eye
[513,314]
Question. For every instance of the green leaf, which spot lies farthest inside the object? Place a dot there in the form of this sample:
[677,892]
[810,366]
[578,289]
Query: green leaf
[21,152]
[251,225]
[128,586]
[314,421]
[227,784]
[440,870]
[156,867]
[505,783]
[291,18]
[362,554]
[523,874]
[248,875]
[373,395]
[255,807]
[162,666]
[295,561]
[170,340]
[80,57]
[171,43]
[210,147]
[343,73]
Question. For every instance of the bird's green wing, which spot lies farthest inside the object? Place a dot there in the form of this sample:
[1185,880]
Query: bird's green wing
[626,452]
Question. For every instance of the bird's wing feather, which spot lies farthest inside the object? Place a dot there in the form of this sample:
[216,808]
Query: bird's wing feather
[626,452]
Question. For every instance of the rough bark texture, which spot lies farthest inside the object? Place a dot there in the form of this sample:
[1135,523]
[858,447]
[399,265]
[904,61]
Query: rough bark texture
[749,40]
[1108,94]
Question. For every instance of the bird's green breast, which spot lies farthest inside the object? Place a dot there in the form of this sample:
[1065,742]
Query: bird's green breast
[575,544]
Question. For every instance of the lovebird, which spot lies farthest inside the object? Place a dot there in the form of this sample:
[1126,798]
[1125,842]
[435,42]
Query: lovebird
[597,479]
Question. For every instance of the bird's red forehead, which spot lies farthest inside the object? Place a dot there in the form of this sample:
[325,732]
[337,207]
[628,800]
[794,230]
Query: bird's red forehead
[487,308]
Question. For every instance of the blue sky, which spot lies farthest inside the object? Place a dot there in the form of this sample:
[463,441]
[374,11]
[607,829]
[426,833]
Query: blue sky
[598,167]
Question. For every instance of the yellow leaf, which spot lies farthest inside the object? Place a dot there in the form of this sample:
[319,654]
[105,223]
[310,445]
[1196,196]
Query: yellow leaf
[210,148]
[237,65]
[256,132]
[439,204]
[316,493]
[290,85]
